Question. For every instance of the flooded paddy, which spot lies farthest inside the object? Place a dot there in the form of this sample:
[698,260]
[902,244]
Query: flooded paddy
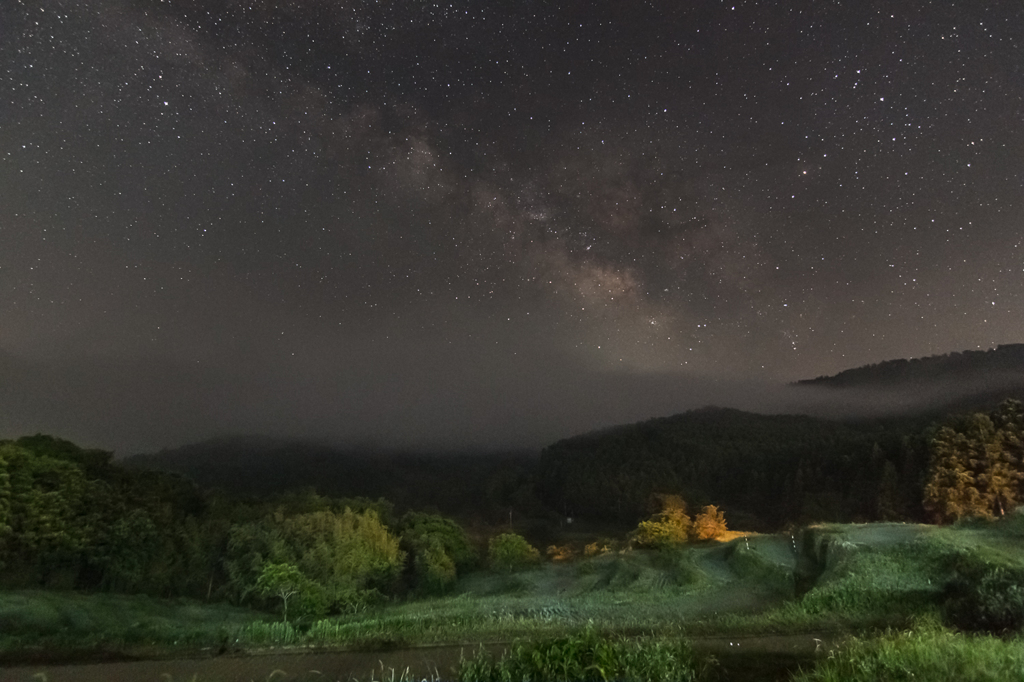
[771,657]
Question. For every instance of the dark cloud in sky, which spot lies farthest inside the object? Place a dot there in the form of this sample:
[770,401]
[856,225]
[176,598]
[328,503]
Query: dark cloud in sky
[491,223]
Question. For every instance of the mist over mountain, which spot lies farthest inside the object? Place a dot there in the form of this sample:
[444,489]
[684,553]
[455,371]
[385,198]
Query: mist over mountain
[146,404]
[1003,363]
[838,434]
[935,385]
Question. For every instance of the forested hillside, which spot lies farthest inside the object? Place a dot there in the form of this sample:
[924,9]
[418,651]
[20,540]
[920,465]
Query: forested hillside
[766,470]
[465,484]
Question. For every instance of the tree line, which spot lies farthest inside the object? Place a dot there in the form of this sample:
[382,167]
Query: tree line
[73,518]
[766,471]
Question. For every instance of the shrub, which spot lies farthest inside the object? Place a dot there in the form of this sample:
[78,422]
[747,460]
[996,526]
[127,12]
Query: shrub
[709,524]
[561,553]
[991,602]
[419,530]
[509,551]
[435,570]
[667,528]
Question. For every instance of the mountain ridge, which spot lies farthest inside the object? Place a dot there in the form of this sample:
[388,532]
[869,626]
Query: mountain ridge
[975,364]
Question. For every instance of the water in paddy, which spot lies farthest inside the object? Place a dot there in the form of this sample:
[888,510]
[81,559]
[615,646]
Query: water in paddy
[743,659]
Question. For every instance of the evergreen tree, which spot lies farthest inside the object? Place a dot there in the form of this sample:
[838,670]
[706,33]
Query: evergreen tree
[976,465]
[952,488]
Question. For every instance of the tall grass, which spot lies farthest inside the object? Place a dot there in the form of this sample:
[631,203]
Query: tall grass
[588,657]
[929,653]
[63,622]
[268,634]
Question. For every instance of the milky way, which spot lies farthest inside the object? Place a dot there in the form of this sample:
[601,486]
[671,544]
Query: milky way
[491,223]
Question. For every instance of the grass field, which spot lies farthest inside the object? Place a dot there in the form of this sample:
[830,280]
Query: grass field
[39,623]
[842,579]
[925,652]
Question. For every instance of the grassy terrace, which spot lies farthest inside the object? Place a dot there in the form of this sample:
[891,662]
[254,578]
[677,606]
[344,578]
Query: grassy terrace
[844,579]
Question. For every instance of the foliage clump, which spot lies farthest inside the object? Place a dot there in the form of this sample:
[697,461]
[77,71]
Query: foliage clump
[348,557]
[987,599]
[440,550]
[671,526]
[709,524]
[599,547]
[560,553]
[435,570]
[667,528]
[509,552]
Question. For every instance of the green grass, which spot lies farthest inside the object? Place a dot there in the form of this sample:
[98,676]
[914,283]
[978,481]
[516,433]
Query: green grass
[927,653]
[62,623]
[872,576]
[888,584]
[589,657]
[752,565]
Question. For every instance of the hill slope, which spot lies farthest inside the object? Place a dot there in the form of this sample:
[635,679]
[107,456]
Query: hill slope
[453,483]
[765,470]
[1002,364]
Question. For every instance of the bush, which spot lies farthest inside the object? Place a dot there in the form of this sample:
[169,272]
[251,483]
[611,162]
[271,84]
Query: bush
[561,553]
[668,528]
[509,551]
[599,547]
[991,602]
[435,570]
[419,530]
[709,524]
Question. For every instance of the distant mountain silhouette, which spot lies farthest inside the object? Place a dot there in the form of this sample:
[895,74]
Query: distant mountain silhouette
[935,385]
[456,483]
[1005,361]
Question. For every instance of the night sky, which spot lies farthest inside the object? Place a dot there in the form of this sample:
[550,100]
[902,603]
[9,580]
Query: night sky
[491,224]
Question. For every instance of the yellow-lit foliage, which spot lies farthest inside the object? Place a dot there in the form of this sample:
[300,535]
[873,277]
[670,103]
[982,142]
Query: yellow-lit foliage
[669,527]
[561,553]
[709,524]
[597,548]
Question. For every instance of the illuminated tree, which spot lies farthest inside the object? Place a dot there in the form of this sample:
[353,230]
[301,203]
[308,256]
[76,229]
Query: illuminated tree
[709,524]
[976,465]
[668,527]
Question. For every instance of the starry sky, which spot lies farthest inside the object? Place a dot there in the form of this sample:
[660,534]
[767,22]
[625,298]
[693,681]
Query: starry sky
[456,224]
